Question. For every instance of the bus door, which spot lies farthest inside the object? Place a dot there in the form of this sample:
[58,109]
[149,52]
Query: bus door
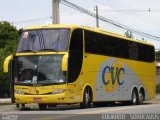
[75,63]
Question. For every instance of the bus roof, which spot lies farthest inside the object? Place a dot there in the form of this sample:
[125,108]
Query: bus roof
[98,30]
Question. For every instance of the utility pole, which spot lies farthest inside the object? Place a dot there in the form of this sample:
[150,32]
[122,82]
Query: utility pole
[97,20]
[55,11]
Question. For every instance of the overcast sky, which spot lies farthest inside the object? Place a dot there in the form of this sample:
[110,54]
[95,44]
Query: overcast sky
[143,15]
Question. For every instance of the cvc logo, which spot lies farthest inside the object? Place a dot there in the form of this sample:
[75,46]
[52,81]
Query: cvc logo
[111,76]
[114,75]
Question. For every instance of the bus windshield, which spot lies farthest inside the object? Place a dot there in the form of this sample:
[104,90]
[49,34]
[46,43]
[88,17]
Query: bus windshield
[44,40]
[43,69]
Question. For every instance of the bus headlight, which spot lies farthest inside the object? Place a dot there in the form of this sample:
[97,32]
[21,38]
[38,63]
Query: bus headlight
[58,91]
[19,92]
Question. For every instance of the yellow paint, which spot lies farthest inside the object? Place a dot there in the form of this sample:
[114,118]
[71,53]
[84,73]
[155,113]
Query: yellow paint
[65,62]
[39,53]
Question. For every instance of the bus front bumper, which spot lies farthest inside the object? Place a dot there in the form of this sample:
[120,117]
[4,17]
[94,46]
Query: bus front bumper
[55,98]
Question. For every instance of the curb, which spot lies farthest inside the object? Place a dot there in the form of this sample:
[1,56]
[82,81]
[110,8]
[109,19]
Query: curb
[5,101]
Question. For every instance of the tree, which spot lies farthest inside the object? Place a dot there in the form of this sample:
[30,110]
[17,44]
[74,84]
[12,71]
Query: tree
[8,43]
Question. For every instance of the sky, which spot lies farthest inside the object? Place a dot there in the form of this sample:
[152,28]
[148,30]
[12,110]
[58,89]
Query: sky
[143,15]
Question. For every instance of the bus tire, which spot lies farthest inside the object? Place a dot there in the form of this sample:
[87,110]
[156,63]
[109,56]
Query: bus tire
[87,98]
[42,106]
[134,97]
[141,96]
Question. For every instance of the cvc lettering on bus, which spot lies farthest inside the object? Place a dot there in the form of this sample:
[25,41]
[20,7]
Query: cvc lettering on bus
[114,75]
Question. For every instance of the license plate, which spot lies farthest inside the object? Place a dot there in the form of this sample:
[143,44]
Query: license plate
[37,99]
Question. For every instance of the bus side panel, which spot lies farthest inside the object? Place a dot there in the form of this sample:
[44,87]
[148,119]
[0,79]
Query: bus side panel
[113,79]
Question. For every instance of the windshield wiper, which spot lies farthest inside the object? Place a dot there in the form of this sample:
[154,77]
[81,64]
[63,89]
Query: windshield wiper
[47,81]
[27,51]
[52,50]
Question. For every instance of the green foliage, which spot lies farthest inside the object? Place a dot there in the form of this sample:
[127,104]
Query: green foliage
[8,43]
[7,33]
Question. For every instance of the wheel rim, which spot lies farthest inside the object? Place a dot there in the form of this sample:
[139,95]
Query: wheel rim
[134,99]
[87,98]
[141,97]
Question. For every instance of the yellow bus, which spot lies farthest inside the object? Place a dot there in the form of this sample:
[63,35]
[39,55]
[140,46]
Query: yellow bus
[67,64]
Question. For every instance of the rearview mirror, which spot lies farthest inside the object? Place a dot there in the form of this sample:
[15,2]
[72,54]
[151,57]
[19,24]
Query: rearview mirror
[6,63]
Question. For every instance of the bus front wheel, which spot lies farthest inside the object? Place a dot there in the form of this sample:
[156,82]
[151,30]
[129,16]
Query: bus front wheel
[87,98]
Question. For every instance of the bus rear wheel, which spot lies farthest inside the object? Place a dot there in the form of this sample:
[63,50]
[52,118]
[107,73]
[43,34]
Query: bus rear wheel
[134,100]
[87,98]
[42,106]
[141,97]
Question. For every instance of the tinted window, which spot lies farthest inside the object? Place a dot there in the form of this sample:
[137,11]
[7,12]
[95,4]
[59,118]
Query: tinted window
[116,47]
[105,45]
[133,50]
[75,55]
[146,53]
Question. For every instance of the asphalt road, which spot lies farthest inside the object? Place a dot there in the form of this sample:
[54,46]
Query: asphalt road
[75,113]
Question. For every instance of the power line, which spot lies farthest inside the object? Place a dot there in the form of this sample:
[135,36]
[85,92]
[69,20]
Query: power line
[116,4]
[37,19]
[136,10]
[80,9]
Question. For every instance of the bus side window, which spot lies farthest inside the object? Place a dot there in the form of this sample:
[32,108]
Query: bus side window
[133,51]
[75,55]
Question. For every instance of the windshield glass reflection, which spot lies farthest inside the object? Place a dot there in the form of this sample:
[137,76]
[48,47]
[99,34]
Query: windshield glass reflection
[40,69]
[44,40]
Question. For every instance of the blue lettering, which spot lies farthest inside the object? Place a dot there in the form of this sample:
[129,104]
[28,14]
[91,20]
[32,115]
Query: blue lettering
[104,73]
[114,75]
[119,72]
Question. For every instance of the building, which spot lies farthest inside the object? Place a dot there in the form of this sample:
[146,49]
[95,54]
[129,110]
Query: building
[157,73]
